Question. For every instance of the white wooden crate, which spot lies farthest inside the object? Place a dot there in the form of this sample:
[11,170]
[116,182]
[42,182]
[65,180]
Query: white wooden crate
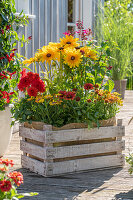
[50,153]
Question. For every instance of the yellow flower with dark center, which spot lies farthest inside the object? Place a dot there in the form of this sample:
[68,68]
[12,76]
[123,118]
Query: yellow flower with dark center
[88,52]
[55,102]
[48,96]
[30,99]
[38,55]
[48,54]
[39,99]
[69,41]
[72,57]
[28,61]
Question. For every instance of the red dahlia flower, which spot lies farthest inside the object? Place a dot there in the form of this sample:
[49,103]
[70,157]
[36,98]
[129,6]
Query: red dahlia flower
[32,92]
[31,76]
[70,95]
[23,83]
[5,185]
[88,86]
[39,85]
[17,177]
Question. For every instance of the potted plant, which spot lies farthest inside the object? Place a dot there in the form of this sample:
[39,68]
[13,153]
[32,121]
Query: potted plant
[116,26]
[9,67]
[64,104]
[10,181]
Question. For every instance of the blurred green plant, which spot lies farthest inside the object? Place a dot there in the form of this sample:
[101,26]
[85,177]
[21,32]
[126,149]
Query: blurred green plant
[115,24]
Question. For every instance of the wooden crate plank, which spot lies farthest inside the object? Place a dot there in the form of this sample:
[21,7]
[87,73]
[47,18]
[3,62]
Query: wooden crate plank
[84,134]
[32,134]
[72,134]
[32,149]
[33,165]
[87,164]
[85,149]
[71,151]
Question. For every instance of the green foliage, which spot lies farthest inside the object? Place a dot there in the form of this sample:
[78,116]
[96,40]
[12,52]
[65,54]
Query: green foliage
[9,60]
[129,160]
[114,24]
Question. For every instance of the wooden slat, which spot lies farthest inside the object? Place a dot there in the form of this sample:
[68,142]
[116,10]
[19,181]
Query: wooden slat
[32,134]
[47,153]
[33,149]
[73,134]
[34,165]
[51,169]
[87,164]
[84,134]
[85,149]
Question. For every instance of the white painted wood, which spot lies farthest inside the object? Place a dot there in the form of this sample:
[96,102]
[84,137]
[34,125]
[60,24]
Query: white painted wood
[32,149]
[34,165]
[72,134]
[85,149]
[47,153]
[51,169]
[87,164]
[84,134]
[32,134]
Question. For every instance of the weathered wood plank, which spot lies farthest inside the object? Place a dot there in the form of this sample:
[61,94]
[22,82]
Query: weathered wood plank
[33,149]
[87,164]
[32,134]
[84,134]
[34,165]
[85,149]
[73,134]
[47,153]
[50,169]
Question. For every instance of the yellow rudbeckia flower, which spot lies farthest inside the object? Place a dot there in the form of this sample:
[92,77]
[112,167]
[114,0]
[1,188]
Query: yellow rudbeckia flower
[28,61]
[48,96]
[48,54]
[72,57]
[69,41]
[89,53]
[39,99]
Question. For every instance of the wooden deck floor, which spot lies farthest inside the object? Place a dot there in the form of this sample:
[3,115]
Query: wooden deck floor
[108,184]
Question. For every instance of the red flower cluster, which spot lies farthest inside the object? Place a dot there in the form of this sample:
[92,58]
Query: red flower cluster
[17,177]
[67,95]
[88,86]
[10,58]
[6,95]
[5,185]
[2,76]
[32,83]
[2,31]
[8,27]
[6,162]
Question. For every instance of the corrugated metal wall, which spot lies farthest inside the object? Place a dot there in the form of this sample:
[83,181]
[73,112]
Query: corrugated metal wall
[49,24]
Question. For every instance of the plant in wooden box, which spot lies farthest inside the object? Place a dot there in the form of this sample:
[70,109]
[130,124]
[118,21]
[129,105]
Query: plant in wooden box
[10,181]
[71,95]
[9,66]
